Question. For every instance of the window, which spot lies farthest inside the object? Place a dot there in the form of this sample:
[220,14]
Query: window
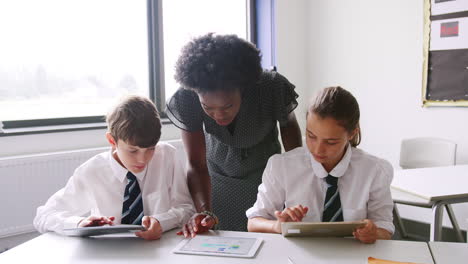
[65,62]
[67,59]
[183,20]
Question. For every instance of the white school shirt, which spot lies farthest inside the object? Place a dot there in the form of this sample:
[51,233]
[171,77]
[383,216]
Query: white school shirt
[97,188]
[295,177]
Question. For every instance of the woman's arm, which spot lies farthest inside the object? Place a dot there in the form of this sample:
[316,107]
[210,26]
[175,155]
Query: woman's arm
[199,184]
[198,179]
[291,133]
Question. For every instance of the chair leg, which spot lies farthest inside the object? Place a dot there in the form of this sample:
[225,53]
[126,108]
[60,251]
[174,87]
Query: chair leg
[451,215]
[400,226]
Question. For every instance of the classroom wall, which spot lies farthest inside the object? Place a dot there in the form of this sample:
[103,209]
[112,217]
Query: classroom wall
[374,49]
[292,50]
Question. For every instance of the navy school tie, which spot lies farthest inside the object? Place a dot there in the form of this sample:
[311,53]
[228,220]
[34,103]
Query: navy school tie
[132,209]
[332,211]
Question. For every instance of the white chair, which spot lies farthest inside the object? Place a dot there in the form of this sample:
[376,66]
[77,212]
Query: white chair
[423,153]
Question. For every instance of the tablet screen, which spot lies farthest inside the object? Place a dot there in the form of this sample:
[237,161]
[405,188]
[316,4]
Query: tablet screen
[215,244]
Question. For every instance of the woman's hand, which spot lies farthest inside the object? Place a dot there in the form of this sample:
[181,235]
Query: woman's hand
[198,223]
[290,214]
[368,233]
[96,221]
[153,228]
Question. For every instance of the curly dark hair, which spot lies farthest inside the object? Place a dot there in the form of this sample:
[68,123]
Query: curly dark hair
[218,62]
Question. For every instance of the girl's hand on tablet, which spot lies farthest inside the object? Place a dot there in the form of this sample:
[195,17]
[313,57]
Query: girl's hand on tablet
[366,234]
[290,214]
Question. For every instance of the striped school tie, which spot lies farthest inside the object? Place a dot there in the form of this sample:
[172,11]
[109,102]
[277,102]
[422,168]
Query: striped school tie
[332,211]
[132,209]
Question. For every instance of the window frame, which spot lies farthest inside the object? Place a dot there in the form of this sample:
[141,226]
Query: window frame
[256,9]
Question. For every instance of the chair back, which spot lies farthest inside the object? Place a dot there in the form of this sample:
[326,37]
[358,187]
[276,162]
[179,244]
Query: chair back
[427,152]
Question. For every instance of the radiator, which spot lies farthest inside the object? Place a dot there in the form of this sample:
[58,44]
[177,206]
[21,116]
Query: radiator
[28,181]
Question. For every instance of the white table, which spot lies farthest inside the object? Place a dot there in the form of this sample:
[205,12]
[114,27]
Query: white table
[439,185]
[449,253]
[52,248]
[350,251]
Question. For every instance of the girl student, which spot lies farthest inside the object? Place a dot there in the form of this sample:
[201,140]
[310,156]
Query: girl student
[331,180]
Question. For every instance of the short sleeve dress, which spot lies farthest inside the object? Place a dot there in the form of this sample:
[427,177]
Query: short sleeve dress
[236,158]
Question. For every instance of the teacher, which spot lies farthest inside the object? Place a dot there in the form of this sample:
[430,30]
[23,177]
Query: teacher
[228,109]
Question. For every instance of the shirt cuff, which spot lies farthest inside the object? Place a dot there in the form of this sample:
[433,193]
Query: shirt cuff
[386,225]
[255,212]
[72,222]
[167,221]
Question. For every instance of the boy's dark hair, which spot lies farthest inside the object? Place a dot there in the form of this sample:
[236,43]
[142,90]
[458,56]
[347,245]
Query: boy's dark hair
[218,62]
[135,120]
[341,105]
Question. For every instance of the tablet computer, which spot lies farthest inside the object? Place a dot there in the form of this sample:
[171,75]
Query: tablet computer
[239,247]
[320,229]
[102,230]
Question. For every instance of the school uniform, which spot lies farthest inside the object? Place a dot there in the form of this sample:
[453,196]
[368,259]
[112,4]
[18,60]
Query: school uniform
[97,188]
[295,177]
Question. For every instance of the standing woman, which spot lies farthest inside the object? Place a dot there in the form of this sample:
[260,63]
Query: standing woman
[228,109]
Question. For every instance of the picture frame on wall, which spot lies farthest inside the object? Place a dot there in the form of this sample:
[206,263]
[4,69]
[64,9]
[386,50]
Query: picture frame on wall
[445,69]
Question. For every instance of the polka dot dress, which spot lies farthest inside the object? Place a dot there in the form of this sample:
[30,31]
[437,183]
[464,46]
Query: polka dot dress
[236,159]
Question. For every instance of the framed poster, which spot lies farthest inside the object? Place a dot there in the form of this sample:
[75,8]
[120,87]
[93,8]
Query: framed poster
[445,71]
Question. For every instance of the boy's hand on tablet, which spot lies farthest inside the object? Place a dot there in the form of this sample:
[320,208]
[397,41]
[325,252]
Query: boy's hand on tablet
[198,223]
[366,234]
[96,221]
[290,214]
[153,228]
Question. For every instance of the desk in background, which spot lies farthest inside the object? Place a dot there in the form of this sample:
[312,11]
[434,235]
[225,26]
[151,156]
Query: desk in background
[440,185]
[449,253]
[51,248]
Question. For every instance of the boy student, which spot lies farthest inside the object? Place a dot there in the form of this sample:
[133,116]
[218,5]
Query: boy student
[330,180]
[139,181]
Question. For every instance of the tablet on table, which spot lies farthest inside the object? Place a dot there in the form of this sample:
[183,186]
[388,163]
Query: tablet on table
[320,229]
[240,247]
[102,230]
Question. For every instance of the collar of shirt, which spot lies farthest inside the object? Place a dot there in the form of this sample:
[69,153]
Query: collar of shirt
[121,173]
[338,170]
